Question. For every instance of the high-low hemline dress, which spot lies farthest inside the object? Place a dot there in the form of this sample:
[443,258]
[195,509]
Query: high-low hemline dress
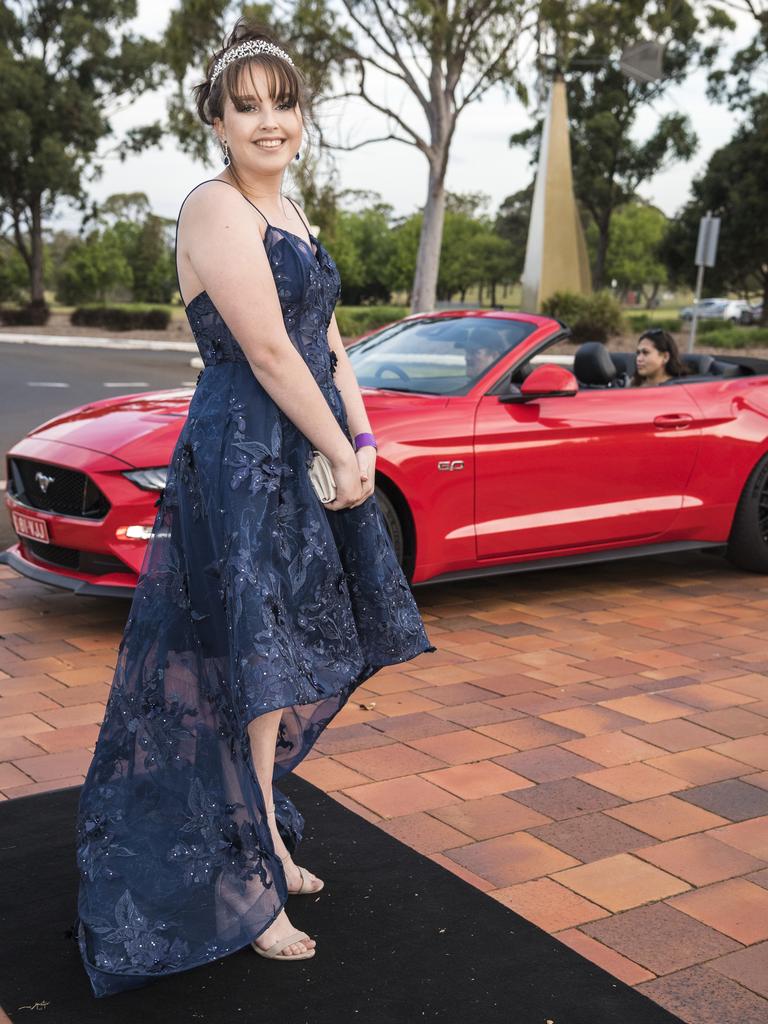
[252,597]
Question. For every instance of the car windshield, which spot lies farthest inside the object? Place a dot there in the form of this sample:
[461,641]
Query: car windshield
[435,356]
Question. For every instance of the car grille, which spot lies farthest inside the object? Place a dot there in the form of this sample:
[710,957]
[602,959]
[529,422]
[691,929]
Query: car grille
[90,562]
[49,488]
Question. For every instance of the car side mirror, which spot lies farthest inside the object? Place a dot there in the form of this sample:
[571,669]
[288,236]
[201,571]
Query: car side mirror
[547,381]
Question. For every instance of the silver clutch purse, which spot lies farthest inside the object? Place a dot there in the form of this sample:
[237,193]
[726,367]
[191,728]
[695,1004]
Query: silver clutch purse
[321,477]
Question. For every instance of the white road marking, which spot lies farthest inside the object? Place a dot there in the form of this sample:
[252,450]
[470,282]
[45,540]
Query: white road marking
[73,341]
[126,384]
[46,384]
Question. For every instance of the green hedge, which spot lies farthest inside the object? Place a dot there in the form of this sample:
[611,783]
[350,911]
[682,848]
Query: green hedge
[711,326]
[356,320]
[590,317]
[738,337]
[34,314]
[122,318]
[640,322]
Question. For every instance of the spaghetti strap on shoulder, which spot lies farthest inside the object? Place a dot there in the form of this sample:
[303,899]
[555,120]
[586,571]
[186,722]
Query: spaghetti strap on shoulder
[186,197]
[221,180]
[301,216]
[245,197]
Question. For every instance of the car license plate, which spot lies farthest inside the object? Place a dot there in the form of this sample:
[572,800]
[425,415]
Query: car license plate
[29,526]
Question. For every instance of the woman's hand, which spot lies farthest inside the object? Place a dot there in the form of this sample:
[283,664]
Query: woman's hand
[349,486]
[366,460]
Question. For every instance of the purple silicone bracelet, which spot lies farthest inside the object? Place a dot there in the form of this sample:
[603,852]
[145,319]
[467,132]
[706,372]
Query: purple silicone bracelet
[363,439]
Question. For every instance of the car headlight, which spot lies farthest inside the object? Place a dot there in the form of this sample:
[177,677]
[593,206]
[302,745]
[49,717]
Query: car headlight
[149,479]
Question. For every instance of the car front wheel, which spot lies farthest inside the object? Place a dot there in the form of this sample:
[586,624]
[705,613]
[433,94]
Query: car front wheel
[748,542]
[392,522]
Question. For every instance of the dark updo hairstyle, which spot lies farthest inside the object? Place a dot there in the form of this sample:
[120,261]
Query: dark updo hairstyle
[284,81]
[663,341]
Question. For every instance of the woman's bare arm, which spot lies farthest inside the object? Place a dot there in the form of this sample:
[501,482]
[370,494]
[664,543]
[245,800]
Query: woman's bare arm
[346,382]
[219,234]
[344,376]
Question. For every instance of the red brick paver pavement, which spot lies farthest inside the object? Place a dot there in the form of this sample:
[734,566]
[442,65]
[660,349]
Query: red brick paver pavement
[588,747]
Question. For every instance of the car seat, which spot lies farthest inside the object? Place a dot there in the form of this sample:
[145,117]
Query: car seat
[593,366]
[723,369]
[624,362]
[699,363]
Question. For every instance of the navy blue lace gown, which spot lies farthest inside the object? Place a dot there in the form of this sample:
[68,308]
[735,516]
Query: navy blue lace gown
[252,597]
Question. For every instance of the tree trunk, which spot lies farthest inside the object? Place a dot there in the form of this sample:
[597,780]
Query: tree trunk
[480,294]
[493,293]
[37,286]
[652,297]
[764,317]
[430,240]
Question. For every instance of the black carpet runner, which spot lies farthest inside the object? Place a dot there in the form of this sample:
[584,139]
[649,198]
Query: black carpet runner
[399,939]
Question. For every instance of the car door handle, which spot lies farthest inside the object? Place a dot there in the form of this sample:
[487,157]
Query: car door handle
[673,421]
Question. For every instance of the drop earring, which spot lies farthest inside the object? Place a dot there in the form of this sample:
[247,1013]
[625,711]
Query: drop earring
[298,155]
[225,148]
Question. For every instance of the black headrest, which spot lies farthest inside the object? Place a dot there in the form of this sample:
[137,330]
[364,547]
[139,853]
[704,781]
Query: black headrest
[723,369]
[698,362]
[624,362]
[593,365]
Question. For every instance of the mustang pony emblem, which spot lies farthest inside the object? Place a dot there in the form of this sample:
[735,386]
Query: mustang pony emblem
[44,482]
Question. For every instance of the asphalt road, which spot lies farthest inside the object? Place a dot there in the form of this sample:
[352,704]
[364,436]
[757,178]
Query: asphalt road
[38,382]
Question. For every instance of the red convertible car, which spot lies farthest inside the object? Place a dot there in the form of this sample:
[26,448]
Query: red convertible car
[500,449]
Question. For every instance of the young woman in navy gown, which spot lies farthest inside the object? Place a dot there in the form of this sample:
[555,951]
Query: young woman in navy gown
[258,609]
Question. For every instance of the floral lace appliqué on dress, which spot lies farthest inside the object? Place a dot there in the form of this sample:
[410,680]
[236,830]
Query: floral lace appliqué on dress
[252,597]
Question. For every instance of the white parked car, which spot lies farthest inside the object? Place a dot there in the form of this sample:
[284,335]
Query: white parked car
[717,309]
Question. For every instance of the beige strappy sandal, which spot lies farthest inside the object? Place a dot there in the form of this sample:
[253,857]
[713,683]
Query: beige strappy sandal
[305,889]
[275,951]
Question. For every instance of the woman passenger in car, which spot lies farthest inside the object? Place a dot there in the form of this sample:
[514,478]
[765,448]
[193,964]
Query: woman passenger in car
[657,359]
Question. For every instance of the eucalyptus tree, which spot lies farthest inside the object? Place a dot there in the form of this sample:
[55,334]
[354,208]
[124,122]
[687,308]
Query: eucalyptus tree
[445,55]
[512,220]
[733,187]
[65,66]
[147,242]
[633,259]
[747,75]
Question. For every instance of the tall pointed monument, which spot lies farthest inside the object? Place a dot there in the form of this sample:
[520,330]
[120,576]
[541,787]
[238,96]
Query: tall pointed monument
[556,254]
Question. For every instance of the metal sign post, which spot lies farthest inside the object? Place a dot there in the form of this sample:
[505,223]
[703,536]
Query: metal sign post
[706,254]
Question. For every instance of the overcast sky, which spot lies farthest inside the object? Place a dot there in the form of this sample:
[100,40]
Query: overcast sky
[481,159]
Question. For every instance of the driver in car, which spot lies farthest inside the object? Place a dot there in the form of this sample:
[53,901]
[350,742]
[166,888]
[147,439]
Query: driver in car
[657,359]
[483,347]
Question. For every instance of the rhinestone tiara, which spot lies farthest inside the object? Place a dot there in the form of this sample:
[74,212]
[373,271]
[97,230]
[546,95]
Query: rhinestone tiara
[250,48]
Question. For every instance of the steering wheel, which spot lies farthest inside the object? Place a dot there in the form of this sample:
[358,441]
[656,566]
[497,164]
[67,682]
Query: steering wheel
[393,368]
